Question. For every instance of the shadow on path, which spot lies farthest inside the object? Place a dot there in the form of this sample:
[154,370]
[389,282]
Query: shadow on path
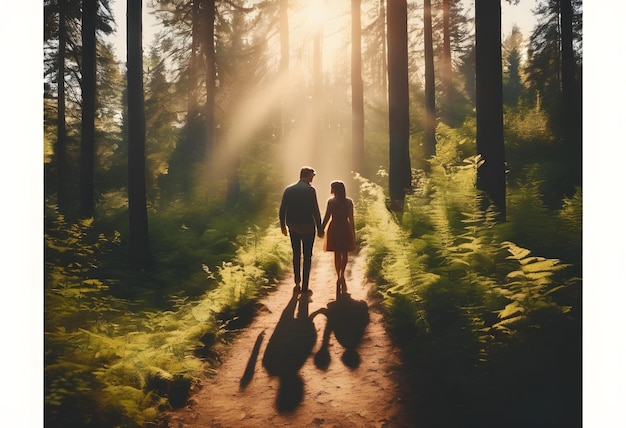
[347,319]
[288,349]
[265,380]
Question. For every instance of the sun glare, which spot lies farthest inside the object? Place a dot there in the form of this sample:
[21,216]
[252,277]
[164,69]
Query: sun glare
[331,20]
[329,17]
[315,14]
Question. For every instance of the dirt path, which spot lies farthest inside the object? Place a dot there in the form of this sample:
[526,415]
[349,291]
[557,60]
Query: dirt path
[357,383]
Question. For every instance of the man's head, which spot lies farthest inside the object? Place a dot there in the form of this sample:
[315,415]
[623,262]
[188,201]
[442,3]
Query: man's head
[307,173]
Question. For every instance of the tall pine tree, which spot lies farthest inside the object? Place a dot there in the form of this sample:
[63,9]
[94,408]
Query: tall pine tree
[489,115]
[139,255]
[397,54]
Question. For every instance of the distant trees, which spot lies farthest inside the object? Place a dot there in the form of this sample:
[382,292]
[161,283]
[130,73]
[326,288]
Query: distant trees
[453,46]
[161,106]
[375,51]
[358,114]
[283,28]
[210,47]
[446,61]
[190,43]
[70,36]
[318,80]
[511,50]
[554,73]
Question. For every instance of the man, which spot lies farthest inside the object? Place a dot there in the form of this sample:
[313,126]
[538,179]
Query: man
[299,217]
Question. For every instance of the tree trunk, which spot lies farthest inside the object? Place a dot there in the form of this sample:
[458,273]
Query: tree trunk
[194,133]
[284,64]
[61,155]
[317,95]
[358,115]
[430,142]
[139,255]
[399,159]
[187,152]
[446,63]
[88,89]
[211,73]
[192,86]
[489,116]
[572,120]
[383,63]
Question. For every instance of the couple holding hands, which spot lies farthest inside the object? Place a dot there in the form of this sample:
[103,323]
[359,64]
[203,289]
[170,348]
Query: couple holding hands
[299,216]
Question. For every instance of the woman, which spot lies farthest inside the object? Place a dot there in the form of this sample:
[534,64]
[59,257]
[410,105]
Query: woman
[340,236]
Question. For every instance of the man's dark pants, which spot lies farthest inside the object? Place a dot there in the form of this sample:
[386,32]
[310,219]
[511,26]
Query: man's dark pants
[302,246]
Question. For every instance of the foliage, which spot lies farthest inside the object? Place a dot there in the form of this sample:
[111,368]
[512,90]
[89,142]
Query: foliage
[485,323]
[116,362]
[544,63]
[386,262]
[468,307]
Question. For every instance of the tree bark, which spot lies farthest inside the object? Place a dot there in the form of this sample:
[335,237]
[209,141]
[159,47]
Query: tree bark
[489,116]
[284,63]
[193,110]
[430,142]
[88,89]
[211,73]
[139,255]
[399,159]
[572,120]
[383,63]
[358,115]
[61,152]
[446,63]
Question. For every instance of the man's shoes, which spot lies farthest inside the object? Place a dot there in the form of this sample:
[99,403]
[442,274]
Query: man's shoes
[296,289]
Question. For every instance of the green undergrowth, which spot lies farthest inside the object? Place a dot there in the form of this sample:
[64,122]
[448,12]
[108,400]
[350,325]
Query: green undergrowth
[119,362]
[489,329]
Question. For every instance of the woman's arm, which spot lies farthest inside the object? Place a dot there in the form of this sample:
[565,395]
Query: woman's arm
[327,214]
[351,217]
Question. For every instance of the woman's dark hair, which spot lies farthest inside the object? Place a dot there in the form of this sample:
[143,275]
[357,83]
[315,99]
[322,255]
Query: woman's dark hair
[338,188]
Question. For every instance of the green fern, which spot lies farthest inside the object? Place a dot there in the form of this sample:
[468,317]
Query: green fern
[529,288]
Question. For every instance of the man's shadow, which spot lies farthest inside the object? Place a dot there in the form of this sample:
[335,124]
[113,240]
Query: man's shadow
[347,319]
[288,349]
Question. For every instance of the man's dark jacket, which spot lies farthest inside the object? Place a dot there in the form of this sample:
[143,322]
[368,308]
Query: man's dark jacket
[299,209]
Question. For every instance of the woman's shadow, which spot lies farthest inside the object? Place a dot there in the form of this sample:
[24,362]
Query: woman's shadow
[347,319]
[287,350]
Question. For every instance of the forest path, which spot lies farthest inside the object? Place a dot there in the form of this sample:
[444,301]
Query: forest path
[358,387]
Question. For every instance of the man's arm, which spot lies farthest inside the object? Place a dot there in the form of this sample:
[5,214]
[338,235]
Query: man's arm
[317,218]
[282,213]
